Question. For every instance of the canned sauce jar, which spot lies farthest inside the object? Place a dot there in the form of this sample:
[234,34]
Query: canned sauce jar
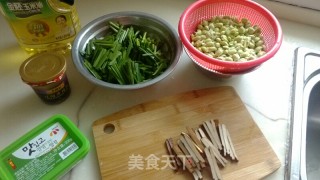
[46,74]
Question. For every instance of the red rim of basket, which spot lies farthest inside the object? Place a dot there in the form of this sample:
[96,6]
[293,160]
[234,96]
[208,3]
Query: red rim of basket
[239,65]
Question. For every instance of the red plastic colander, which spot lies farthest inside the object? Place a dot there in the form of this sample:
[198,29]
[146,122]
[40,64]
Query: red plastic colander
[206,9]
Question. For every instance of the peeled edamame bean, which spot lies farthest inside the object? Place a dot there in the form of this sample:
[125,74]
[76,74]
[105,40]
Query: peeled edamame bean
[229,39]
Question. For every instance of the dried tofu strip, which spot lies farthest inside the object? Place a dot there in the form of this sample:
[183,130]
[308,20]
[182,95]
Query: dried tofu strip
[223,161]
[170,144]
[192,146]
[225,139]
[222,140]
[172,155]
[190,151]
[189,147]
[233,152]
[216,134]
[210,134]
[197,174]
[228,147]
[215,163]
[217,154]
[200,150]
[193,136]
[187,154]
[198,135]
[202,134]
[208,143]
[212,163]
[183,158]
[170,141]
[211,130]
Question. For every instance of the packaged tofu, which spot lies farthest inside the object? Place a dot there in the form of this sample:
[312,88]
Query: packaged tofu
[46,152]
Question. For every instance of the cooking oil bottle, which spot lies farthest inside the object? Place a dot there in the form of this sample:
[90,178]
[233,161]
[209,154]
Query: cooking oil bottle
[42,25]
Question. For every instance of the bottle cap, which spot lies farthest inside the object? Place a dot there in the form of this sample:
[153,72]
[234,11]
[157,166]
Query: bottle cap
[43,68]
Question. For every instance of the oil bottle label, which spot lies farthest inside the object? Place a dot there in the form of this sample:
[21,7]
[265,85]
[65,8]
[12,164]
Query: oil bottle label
[42,153]
[35,22]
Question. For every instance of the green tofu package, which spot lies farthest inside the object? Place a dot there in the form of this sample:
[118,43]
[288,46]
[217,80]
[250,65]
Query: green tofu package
[46,152]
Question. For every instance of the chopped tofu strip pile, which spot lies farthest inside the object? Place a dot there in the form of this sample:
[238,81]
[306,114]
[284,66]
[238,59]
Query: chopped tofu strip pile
[206,146]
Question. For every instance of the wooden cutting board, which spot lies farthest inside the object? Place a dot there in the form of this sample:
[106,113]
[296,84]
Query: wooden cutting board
[139,133]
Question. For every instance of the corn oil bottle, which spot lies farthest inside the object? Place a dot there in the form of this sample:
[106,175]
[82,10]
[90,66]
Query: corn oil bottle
[42,25]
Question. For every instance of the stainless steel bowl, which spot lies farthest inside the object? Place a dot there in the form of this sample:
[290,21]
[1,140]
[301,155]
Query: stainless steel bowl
[143,21]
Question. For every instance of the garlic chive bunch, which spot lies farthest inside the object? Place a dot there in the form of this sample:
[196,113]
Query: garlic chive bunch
[228,38]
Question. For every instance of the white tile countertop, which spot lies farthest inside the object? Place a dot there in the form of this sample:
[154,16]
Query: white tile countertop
[265,91]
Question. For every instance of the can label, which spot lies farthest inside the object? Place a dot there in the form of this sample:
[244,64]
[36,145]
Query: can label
[53,95]
[42,153]
[35,22]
